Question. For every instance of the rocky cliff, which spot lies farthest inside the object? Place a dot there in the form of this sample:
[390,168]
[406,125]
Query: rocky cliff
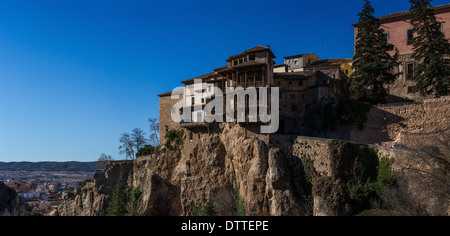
[267,173]
[10,202]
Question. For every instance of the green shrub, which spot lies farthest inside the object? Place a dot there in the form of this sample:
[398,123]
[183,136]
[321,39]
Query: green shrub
[205,208]
[240,210]
[84,182]
[147,150]
[118,204]
[173,136]
[135,195]
[362,191]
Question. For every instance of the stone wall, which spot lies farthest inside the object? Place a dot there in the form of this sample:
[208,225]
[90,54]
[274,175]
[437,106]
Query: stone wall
[401,124]
[165,118]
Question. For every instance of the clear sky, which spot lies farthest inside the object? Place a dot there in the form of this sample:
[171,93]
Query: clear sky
[75,74]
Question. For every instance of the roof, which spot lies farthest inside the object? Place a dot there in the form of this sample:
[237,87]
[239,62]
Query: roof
[200,77]
[167,94]
[299,55]
[280,65]
[249,64]
[331,62]
[293,75]
[258,48]
[221,68]
[407,14]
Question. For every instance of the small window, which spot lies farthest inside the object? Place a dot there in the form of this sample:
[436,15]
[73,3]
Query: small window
[410,36]
[441,26]
[279,83]
[203,100]
[167,128]
[240,61]
[193,101]
[409,71]
[235,62]
[245,59]
[386,36]
[411,89]
[251,57]
[290,82]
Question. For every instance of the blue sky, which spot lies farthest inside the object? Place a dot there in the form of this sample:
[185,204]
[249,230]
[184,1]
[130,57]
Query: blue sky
[75,74]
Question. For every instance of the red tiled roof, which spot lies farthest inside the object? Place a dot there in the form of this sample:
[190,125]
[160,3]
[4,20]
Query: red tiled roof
[166,94]
[253,50]
[331,62]
[407,14]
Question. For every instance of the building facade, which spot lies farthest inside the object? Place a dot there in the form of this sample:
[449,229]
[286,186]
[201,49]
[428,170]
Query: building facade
[304,80]
[400,33]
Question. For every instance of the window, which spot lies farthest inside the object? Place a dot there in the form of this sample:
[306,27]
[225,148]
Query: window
[441,26]
[409,71]
[279,83]
[235,62]
[251,57]
[300,83]
[410,35]
[411,89]
[240,61]
[245,59]
[193,100]
[203,100]
[294,108]
[290,82]
[386,36]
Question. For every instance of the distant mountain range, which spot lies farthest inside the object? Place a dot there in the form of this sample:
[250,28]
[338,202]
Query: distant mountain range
[48,166]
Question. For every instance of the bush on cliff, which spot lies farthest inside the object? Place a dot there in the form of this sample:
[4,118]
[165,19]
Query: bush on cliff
[173,136]
[118,204]
[204,208]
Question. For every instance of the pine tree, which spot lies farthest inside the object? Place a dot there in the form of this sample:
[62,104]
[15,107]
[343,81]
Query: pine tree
[372,62]
[118,204]
[431,49]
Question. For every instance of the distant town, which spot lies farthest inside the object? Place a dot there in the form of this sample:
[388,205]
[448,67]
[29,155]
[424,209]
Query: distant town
[43,190]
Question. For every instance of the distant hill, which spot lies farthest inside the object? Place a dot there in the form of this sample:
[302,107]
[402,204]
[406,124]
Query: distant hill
[48,166]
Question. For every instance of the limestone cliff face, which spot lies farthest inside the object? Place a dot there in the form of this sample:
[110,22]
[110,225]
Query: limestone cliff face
[268,172]
[10,202]
[178,178]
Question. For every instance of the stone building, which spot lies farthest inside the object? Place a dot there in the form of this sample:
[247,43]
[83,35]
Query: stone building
[399,32]
[296,63]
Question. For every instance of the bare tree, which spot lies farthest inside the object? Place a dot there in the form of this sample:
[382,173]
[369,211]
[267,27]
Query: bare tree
[138,139]
[127,146]
[154,132]
[426,166]
[102,160]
